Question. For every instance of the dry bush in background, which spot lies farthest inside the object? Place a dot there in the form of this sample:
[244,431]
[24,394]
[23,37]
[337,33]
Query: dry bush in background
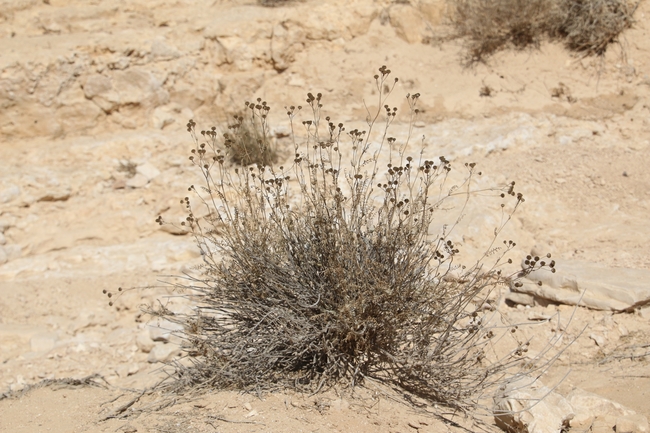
[587,26]
[492,25]
[590,26]
[248,140]
[323,272]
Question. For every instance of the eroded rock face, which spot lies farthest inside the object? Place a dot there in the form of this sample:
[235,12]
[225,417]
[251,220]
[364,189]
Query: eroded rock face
[589,284]
[528,406]
[80,68]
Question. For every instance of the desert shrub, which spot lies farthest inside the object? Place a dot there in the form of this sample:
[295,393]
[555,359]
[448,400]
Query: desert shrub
[323,271]
[247,140]
[492,25]
[588,26]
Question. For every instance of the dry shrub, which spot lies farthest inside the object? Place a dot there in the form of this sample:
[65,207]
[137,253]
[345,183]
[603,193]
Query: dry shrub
[493,25]
[323,272]
[248,140]
[587,26]
[590,26]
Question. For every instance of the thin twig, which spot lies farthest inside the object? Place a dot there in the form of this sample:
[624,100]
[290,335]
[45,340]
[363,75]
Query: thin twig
[117,412]
[220,418]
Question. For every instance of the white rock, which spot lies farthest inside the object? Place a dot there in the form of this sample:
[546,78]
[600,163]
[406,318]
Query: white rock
[8,194]
[581,421]
[623,330]
[13,251]
[632,424]
[163,352]
[127,370]
[137,181]
[590,404]
[43,342]
[3,239]
[527,406]
[144,342]
[163,330]
[148,170]
[4,258]
[408,22]
[599,339]
[19,384]
[162,51]
[162,118]
[520,298]
[589,284]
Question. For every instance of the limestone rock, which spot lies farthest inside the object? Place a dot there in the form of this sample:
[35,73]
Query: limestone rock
[148,170]
[169,114]
[520,298]
[589,284]
[604,414]
[591,404]
[99,89]
[163,352]
[12,251]
[407,22]
[632,424]
[527,406]
[144,342]
[433,11]
[126,370]
[286,42]
[133,86]
[9,193]
[164,330]
[137,181]
[43,342]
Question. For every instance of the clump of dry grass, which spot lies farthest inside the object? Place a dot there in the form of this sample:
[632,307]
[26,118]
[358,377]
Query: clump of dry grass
[492,25]
[323,272]
[248,140]
[587,26]
[590,26]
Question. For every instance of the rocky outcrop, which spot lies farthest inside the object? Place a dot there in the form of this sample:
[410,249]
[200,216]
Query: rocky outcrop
[79,69]
[587,284]
[528,406]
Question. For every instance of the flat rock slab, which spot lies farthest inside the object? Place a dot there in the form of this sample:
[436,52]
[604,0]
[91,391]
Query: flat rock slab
[590,285]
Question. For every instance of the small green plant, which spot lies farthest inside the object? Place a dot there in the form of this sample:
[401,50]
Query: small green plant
[323,271]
